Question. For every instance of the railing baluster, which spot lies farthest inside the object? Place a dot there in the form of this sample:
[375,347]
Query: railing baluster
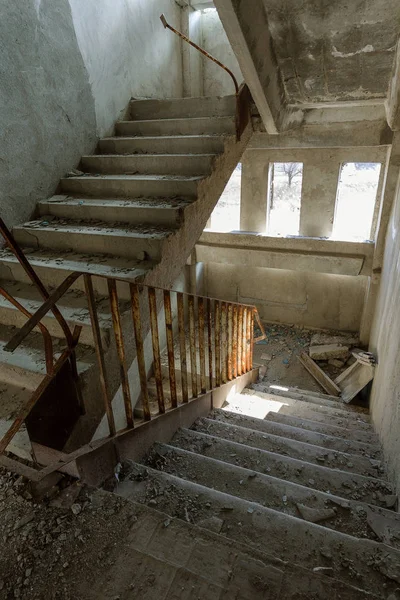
[229,341]
[223,342]
[200,307]
[209,333]
[234,340]
[193,349]
[182,346]
[156,348]
[248,341]
[119,340]
[99,352]
[170,348]
[244,344]
[217,341]
[240,340]
[251,338]
[137,326]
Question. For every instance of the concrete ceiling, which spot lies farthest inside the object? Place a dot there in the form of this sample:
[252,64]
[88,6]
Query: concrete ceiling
[333,50]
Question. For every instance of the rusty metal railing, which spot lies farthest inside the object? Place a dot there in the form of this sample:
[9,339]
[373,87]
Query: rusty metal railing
[208,343]
[242,92]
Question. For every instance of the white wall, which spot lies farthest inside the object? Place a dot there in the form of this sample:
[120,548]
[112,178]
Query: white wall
[385,336]
[68,70]
[127,52]
[216,82]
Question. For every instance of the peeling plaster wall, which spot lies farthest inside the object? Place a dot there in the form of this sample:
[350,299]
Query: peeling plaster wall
[68,70]
[385,336]
[303,298]
[216,81]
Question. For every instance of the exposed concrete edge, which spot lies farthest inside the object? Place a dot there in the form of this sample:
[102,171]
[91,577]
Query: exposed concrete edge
[95,465]
[392,103]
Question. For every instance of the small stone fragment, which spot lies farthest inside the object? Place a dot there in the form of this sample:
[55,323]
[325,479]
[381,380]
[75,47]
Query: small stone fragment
[328,351]
[212,524]
[76,509]
[315,515]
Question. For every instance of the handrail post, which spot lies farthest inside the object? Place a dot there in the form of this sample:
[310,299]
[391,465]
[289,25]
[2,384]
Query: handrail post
[137,327]
[193,347]
[156,348]
[170,348]
[182,346]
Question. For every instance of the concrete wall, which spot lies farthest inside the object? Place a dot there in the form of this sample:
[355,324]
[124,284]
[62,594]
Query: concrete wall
[385,336]
[303,298]
[68,70]
[215,41]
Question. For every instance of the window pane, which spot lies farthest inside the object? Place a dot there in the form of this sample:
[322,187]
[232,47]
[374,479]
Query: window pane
[355,203]
[284,198]
[226,214]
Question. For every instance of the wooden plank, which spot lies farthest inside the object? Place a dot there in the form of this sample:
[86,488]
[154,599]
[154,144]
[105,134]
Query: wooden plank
[320,377]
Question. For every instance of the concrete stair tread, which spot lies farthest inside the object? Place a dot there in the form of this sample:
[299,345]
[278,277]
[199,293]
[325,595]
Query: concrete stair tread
[287,537]
[153,203]
[335,409]
[313,398]
[162,144]
[192,553]
[215,125]
[347,516]
[134,177]
[221,118]
[343,444]
[190,106]
[146,163]
[352,486]
[68,262]
[201,136]
[345,461]
[356,434]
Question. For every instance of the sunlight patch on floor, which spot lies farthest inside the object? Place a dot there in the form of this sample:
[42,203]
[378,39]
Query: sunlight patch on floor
[251,405]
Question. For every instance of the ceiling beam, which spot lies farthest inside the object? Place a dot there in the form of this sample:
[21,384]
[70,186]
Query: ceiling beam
[248,32]
[393,99]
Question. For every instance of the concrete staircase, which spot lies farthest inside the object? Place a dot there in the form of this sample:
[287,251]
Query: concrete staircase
[134,210]
[296,500]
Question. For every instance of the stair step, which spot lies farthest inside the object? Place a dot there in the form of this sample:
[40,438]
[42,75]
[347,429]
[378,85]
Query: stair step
[168,213]
[73,307]
[203,106]
[168,144]
[203,564]
[132,186]
[341,483]
[318,399]
[12,400]
[97,237]
[365,437]
[349,517]
[297,433]
[178,126]
[305,406]
[281,445]
[53,268]
[150,164]
[288,537]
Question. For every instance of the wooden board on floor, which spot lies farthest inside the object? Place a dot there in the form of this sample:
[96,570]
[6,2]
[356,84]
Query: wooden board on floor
[322,378]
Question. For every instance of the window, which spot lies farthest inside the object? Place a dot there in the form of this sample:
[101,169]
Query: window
[284,198]
[355,201]
[226,214]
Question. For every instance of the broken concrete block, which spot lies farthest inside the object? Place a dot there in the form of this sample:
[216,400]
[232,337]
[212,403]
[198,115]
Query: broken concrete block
[321,339]
[329,351]
[266,356]
[315,515]
[212,524]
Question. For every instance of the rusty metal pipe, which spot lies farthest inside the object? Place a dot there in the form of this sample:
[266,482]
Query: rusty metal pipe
[209,335]
[182,346]
[170,348]
[200,308]
[119,341]
[217,341]
[193,348]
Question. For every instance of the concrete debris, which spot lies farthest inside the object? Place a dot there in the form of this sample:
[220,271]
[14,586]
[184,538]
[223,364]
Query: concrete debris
[66,498]
[265,356]
[323,570]
[382,526]
[390,501]
[315,515]
[329,351]
[320,339]
[212,524]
